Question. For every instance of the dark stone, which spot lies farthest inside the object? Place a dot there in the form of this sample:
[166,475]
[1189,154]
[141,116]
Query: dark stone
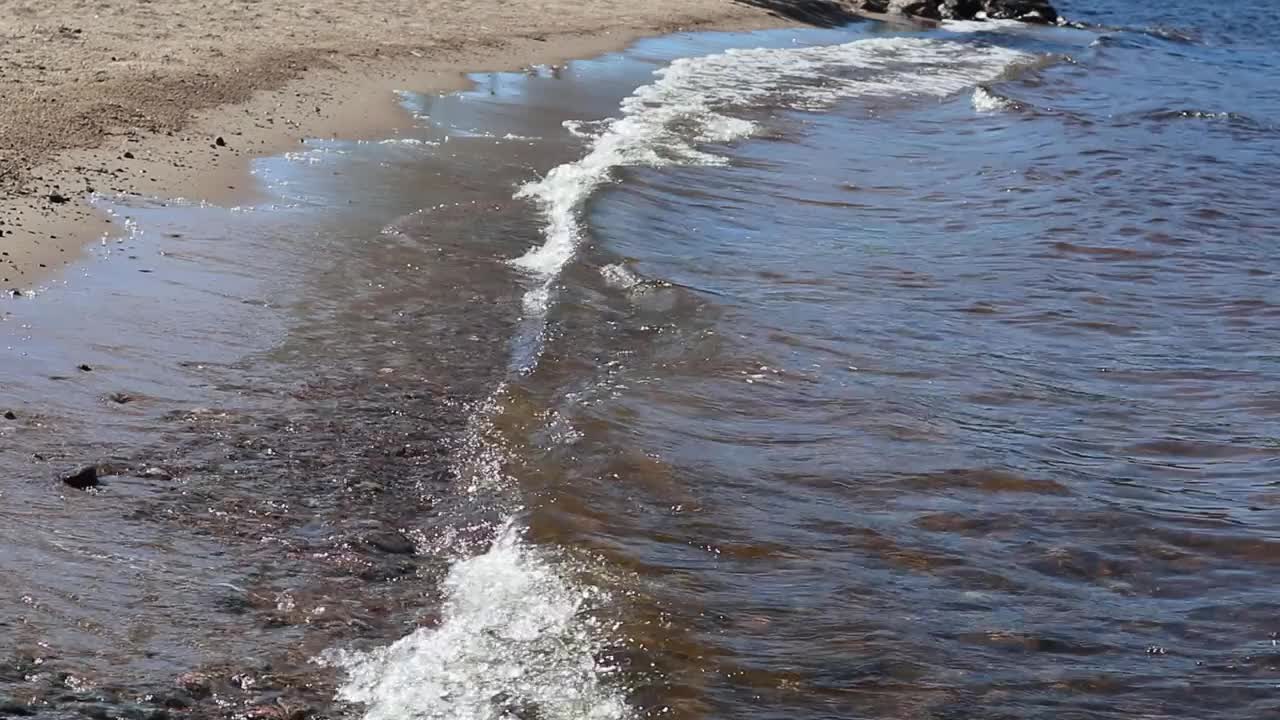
[13,709]
[58,198]
[83,479]
[388,572]
[120,398]
[128,155]
[515,707]
[1040,11]
[925,9]
[84,368]
[174,701]
[220,142]
[15,292]
[394,543]
[1028,10]
[96,712]
[9,415]
[960,9]
[198,684]
[234,604]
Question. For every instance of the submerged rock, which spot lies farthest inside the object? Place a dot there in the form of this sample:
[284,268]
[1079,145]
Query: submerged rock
[155,473]
[197,684]
[279,711]
[83,479]
[393,543]
[9,708]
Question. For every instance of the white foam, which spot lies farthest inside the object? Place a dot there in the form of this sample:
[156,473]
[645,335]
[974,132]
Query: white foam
[986,101]
[515,637]
[620,276]
[976,26]
[584,128]
[405,141]
[481,455]
[695,101]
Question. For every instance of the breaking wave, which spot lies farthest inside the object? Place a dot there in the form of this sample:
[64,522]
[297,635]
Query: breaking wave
[697,102]
[985,100]
[515,639]
[519,634]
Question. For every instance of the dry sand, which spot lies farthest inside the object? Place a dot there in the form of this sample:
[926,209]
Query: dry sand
[132,96]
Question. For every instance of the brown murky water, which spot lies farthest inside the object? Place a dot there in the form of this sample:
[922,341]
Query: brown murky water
[271,396]
[888,406]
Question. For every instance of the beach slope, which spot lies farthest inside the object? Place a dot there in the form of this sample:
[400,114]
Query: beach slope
[172,99]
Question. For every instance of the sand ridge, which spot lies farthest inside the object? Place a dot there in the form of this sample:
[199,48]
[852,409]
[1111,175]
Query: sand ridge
[132,96]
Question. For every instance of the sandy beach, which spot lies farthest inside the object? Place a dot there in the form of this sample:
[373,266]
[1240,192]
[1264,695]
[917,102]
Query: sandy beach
[834,369]
[174,99]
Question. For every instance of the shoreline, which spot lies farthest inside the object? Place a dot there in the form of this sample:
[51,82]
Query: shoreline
[47,216]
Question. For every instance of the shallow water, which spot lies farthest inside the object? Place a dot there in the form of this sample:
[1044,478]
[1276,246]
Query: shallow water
[826,373]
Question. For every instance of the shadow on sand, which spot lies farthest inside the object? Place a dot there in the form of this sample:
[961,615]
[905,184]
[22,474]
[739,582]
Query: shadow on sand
[820,13]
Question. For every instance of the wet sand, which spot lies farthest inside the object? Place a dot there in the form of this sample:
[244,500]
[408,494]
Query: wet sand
[273,454]
[173,100]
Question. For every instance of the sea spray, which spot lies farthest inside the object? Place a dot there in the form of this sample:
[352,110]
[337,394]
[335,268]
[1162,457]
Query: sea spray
[516,639]
[986,101]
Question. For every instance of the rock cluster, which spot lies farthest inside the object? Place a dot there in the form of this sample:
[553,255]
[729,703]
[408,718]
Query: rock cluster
[1040,11]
